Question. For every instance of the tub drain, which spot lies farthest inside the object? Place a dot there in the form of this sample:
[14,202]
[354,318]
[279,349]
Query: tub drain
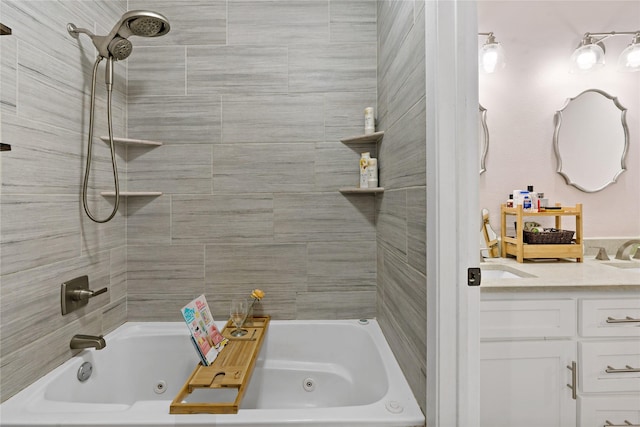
[84,372]
[309,384]
[160,387]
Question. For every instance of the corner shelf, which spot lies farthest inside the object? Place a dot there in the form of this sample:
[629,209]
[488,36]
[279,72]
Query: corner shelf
[364,139]
[132,193]
[372,138]
[130,141]
[139,142]
[357,190]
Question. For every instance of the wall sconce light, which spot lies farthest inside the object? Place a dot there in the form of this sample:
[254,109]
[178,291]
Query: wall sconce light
[589,54]
[491,56]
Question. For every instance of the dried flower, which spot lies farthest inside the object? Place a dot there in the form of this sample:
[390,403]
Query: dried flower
[257,294]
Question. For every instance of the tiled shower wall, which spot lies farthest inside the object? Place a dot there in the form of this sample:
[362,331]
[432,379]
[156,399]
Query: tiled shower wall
[250,99]
[45,238]
[401,211]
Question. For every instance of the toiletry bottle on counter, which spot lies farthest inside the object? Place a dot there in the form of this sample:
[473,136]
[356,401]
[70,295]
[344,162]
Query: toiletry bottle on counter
[369,121]
[364,170]
[517,200]
[510,201]
[526,201]
[372,173]
[534,198]
[542,201]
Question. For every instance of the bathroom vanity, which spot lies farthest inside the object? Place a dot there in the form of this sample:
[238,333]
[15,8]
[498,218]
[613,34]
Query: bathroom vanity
[560,344]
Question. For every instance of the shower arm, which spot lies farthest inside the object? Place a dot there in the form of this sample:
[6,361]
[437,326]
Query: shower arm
[101,42]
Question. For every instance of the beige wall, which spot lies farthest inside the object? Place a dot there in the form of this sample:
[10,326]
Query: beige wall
[539,37]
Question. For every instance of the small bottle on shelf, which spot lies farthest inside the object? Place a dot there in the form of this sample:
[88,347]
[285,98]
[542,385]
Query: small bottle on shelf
[369,121]
[372,173]
[364,172]
[534,198]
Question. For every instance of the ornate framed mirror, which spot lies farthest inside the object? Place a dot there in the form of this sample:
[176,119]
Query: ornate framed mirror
[483,138]
[591,140]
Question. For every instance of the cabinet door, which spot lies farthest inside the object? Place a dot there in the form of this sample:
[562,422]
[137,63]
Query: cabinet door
[524,384]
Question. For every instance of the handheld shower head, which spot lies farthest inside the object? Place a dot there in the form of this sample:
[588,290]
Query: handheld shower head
[113,47]
[142,23]
[120,48]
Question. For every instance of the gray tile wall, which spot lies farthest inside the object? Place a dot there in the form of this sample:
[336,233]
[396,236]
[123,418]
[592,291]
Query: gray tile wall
[45,237]
[401,209]
[251,98]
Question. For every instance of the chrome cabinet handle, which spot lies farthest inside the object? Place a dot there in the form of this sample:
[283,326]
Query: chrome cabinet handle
[626,369]
[574,376]
[627,423]
[627,319]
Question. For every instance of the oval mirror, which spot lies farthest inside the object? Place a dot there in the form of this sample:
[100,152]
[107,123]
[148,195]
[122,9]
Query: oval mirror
[483,138]
[591,139]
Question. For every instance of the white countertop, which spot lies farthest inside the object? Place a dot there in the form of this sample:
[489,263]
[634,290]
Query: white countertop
[564,274]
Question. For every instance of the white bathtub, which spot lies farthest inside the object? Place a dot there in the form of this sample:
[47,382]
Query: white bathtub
[356,381]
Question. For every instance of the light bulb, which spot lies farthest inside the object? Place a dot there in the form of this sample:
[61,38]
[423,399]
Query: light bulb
[586,60]
[630,58]
[492,57]
[587,57]
[489,61]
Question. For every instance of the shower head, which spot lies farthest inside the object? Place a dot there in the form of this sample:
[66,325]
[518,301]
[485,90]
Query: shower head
[141,23]
[115,45]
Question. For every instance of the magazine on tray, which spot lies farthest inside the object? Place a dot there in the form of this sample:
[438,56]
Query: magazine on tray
[205,335]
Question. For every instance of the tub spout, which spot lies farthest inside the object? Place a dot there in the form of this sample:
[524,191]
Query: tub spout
[87,341]
[621,250]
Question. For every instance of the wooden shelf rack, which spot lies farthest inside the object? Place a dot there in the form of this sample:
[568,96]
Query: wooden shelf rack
[515,245]
[232,369]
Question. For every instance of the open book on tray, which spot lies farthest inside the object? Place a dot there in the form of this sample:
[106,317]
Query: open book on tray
[205,335]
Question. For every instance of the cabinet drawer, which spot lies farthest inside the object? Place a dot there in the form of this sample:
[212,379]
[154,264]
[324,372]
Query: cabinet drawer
[527,318]
[610,366]
[610,317]
[617,410]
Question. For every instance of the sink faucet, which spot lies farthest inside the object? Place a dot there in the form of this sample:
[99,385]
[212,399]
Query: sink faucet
[627,257]
[87,341]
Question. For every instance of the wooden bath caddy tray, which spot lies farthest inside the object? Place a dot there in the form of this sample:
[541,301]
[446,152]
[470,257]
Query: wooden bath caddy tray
[232,369]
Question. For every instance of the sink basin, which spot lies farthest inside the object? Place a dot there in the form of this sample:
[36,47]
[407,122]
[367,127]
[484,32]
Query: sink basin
[499,274]
[629,266]
[496,271]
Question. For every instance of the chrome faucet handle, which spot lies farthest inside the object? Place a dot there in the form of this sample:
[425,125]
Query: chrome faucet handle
[82,294]
[602,253]
[75,294]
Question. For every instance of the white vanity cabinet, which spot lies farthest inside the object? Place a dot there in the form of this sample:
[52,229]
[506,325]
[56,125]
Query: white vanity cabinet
[526,360]
[560,359]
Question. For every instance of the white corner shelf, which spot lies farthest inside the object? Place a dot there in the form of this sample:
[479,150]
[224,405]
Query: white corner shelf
[357,190]
[132,193]
[364,139]
[130,141]
[373,138]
